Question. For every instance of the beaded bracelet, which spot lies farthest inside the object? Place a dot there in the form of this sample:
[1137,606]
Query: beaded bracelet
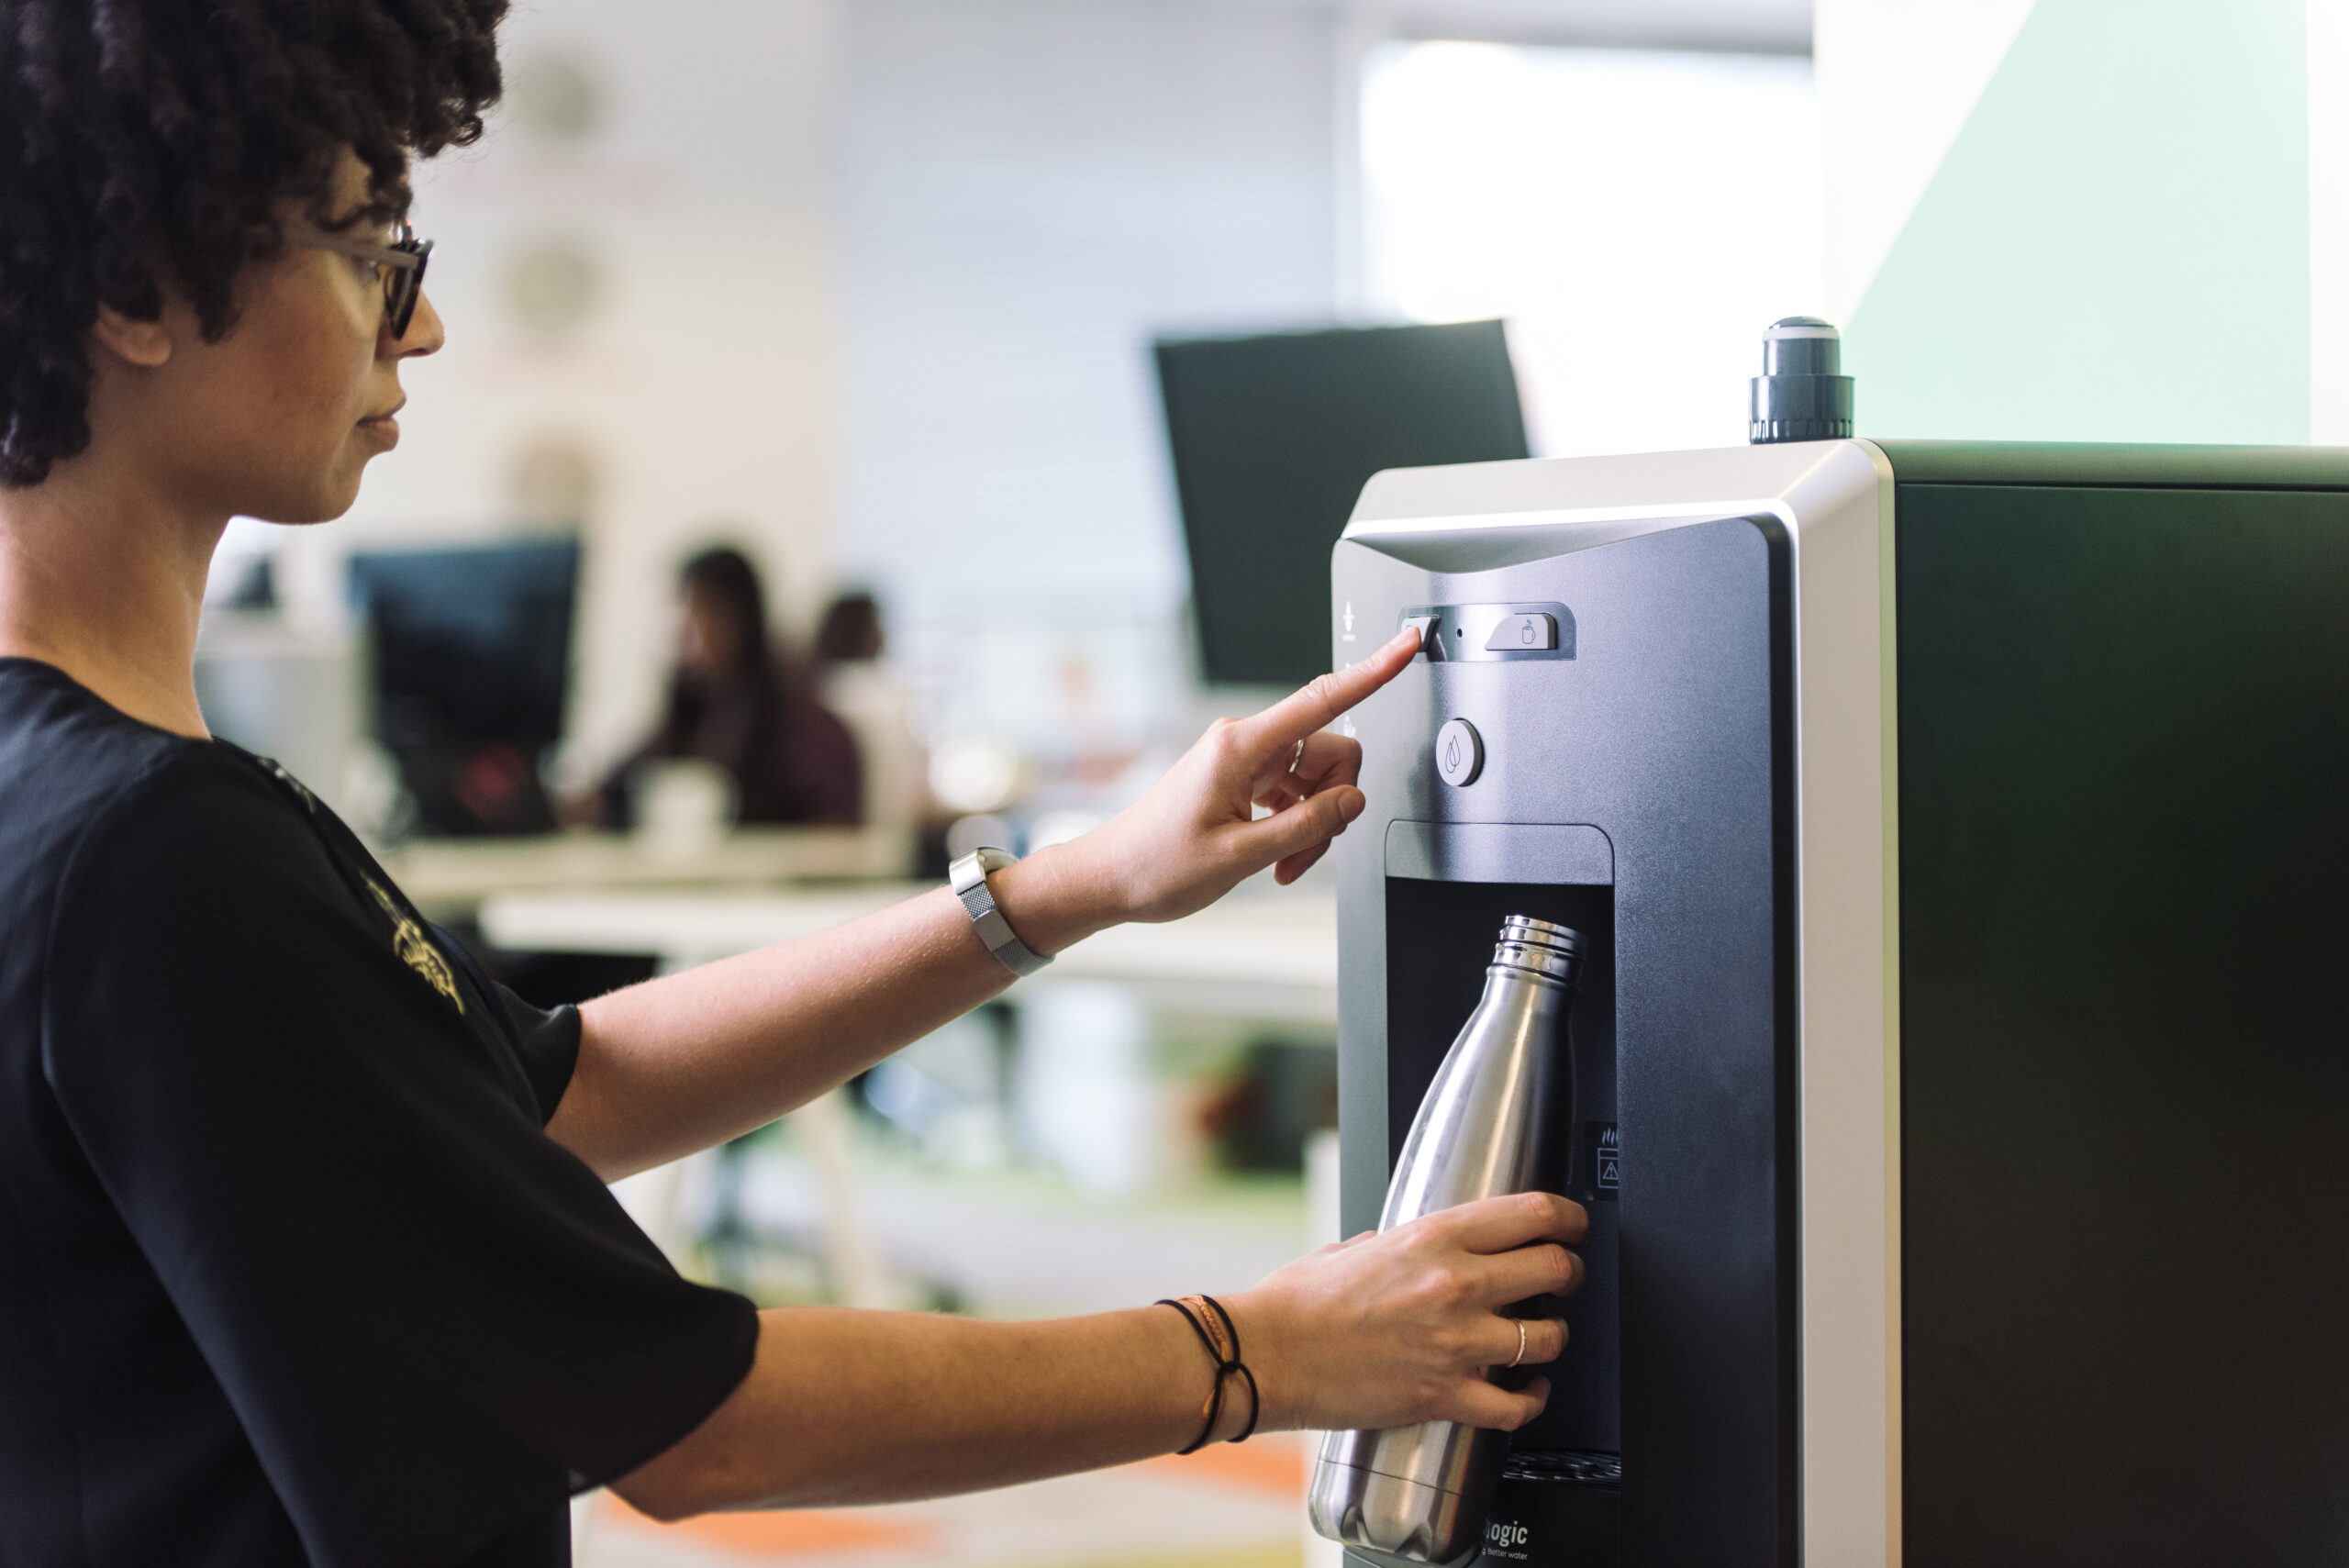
[1221,1337]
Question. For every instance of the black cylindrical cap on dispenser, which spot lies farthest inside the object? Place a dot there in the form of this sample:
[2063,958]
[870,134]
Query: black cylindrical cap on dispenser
[1801,394]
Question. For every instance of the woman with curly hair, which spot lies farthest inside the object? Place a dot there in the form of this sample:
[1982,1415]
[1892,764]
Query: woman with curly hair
[305,1251]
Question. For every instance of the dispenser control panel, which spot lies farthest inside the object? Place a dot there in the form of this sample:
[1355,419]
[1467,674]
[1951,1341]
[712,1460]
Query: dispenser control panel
[1453,633]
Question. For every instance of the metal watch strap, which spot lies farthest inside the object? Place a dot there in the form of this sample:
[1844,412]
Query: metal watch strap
[969,877]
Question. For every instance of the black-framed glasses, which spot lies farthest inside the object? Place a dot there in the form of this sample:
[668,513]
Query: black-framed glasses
[401,263]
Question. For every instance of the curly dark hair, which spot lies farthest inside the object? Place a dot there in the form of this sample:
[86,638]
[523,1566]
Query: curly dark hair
[150,140]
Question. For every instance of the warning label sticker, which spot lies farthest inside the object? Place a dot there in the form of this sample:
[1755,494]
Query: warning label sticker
[1606,1156]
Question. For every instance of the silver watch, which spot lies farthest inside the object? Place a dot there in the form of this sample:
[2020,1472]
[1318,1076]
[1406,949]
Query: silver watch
[969,877]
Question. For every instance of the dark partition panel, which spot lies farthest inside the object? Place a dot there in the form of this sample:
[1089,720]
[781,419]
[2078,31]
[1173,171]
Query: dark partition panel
[2124,905]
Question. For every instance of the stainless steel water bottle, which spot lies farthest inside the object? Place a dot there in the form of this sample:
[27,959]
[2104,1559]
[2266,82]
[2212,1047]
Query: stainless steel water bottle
[1416,1496]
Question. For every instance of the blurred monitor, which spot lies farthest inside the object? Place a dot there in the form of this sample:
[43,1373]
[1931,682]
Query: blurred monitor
[1273,438]
[471,652]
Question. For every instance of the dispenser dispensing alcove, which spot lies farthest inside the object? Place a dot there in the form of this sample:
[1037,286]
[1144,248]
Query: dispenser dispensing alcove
[1959,1068]
[1434,966]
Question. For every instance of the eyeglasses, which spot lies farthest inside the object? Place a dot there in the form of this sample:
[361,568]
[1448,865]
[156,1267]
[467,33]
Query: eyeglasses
[401,263]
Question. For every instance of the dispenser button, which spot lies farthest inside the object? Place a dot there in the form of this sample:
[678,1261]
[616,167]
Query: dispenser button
[1431,630]
[1520,633]
[1459,753]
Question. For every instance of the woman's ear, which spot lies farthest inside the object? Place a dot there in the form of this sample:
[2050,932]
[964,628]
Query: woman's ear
[145,344]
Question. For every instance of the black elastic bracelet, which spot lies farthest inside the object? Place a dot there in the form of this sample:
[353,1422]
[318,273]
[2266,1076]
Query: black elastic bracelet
[1224,1367]
[1214,1410]
[1255,1400]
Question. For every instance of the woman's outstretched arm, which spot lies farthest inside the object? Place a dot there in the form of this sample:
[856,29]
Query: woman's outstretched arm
[845,1407]
[690,1060]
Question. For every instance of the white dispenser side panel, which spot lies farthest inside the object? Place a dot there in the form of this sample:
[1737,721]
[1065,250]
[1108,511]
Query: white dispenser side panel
[1846,832]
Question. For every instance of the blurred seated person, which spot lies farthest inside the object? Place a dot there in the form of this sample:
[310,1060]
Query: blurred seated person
[735,701]
[850,634]
[852,683]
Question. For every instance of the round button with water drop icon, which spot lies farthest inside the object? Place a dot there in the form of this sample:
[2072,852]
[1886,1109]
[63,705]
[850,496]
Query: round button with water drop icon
[1459,753]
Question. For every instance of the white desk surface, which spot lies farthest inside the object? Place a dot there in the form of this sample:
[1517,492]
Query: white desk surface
[1262,954]
[449,874]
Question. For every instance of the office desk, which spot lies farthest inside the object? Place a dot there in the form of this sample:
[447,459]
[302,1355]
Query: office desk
[455,876]
[1271,954]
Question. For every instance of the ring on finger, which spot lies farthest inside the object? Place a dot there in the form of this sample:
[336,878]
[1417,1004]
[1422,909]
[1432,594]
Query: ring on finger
[1520,1343]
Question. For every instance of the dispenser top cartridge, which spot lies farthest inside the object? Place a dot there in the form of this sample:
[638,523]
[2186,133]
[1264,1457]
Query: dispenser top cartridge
[1801,394]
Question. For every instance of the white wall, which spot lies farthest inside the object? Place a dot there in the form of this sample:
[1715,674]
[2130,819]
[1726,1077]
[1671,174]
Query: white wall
[1896,80]
[1639,216]
[699,385]
[2329,222]
[1030,190]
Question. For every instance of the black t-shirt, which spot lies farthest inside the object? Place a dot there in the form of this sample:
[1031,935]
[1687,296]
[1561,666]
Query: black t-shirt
[289,1271]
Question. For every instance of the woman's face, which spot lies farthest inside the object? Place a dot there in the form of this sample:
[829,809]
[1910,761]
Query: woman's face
[710,635]
[279,419]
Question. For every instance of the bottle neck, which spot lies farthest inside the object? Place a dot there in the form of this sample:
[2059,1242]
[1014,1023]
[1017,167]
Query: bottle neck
[1546,992]
[1538,961]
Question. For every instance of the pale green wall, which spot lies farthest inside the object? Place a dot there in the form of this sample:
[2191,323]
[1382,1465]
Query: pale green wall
[2116,248]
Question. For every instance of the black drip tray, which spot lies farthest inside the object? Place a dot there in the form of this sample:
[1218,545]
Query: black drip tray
[1557,1508]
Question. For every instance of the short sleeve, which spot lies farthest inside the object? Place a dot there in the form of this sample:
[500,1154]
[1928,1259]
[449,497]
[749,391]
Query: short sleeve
[429,1318]
[548,1045]
[547,1040]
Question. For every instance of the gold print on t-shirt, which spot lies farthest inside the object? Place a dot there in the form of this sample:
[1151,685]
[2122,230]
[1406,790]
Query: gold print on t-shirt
[415,949]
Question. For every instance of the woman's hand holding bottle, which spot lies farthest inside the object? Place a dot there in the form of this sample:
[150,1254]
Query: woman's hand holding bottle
[1399,1327]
